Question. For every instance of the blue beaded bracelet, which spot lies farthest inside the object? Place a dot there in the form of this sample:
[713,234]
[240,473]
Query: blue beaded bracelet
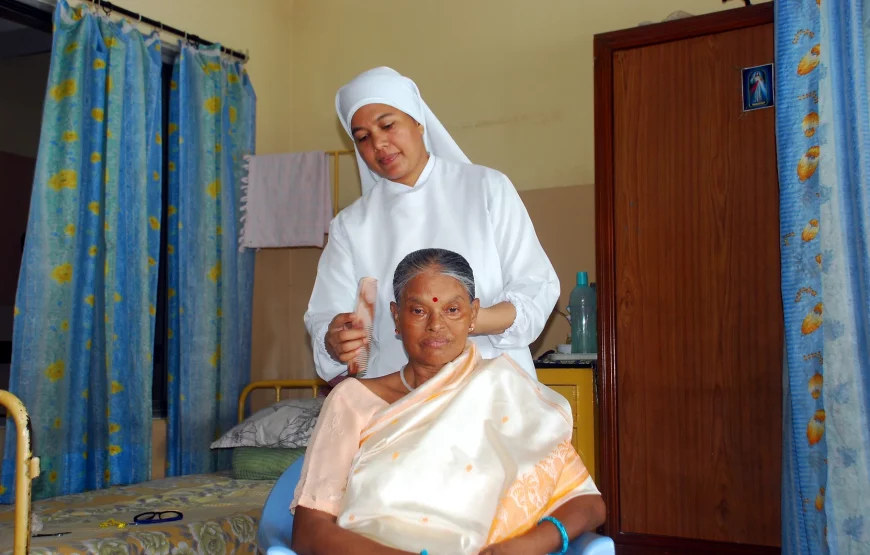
[562,532]
[424,552]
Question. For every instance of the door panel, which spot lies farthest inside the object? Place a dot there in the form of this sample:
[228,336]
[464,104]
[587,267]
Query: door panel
[698,303]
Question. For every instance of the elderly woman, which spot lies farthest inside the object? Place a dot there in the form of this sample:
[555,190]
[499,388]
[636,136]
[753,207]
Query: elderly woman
[420,191]
[452,453]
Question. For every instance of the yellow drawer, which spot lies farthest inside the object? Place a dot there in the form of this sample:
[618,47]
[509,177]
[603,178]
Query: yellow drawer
[577,386]
[570,392]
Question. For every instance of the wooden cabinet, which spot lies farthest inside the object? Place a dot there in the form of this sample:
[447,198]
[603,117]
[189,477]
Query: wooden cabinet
[688,272]
[578,386]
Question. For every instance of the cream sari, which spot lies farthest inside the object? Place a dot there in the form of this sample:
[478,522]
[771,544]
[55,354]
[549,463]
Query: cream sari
[476,455]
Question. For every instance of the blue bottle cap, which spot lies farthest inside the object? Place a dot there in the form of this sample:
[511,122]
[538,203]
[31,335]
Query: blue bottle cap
[582,278]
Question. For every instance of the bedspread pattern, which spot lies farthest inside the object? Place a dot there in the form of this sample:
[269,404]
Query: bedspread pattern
[220,516]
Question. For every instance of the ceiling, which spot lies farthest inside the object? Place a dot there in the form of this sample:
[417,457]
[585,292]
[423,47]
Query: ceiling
[18,40]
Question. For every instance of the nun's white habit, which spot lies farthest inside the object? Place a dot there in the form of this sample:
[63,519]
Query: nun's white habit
[455,205]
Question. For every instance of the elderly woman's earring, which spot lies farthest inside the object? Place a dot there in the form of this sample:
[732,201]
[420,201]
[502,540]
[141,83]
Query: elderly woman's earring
[471,328]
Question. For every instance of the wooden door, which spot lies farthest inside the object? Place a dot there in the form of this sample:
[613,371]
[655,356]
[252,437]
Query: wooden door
[689,286]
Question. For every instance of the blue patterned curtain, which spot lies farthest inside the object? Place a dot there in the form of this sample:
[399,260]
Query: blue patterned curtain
[211,129]
[82,344]
[823,137]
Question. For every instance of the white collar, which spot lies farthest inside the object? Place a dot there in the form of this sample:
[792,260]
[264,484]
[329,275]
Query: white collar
[424,177]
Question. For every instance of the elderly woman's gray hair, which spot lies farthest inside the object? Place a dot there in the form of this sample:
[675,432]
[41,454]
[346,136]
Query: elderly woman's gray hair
[441,261]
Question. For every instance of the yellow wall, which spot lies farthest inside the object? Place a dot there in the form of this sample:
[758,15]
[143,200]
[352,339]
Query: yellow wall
[510,79]
[261,27]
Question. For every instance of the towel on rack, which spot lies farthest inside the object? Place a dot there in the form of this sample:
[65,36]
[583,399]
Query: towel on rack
[287,201]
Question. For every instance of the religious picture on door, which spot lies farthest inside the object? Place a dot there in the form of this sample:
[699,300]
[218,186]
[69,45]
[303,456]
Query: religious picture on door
[757,87]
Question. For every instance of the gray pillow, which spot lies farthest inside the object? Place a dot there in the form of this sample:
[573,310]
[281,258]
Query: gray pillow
[286,424]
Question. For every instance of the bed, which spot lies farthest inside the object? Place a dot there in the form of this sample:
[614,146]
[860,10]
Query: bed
[220,514]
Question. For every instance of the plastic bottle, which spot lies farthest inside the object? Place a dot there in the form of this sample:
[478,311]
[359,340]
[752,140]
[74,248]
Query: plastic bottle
[583,307]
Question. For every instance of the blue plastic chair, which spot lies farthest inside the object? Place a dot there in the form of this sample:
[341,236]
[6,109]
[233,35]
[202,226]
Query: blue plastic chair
[276,524]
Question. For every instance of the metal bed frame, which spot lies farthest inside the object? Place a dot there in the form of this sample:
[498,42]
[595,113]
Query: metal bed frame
[27,466]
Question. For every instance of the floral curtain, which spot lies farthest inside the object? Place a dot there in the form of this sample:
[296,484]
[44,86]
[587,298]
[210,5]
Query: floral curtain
[823,138]
[211,129]
[83,335]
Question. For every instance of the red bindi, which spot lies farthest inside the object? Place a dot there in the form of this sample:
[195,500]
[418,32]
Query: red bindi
[434,299]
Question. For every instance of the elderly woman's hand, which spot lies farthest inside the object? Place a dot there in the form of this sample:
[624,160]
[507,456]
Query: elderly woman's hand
[343,340]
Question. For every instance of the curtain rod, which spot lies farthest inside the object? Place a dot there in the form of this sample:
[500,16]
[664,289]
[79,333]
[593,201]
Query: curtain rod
[108,8]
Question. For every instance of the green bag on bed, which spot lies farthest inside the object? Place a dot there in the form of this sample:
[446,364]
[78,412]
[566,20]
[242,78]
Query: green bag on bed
[263,463]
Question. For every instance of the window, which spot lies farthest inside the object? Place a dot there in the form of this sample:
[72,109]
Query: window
[25,39]
[161,363]
[25,54]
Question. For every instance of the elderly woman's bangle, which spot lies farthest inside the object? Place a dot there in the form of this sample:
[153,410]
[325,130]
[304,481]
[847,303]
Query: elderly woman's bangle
[562,532]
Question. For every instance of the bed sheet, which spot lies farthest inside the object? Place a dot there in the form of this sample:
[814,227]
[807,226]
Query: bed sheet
[221,515]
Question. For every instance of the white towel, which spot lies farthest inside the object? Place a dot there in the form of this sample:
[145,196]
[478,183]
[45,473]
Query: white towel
[287,201]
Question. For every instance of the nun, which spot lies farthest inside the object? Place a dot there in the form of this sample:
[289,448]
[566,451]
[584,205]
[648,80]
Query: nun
[419,190]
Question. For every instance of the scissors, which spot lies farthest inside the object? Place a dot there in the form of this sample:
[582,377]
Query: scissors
[157,517]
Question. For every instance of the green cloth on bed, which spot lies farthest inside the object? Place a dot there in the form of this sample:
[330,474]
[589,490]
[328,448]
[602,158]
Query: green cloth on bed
[263,463]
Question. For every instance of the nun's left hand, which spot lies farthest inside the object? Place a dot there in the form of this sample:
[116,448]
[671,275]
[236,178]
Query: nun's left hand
[495,319]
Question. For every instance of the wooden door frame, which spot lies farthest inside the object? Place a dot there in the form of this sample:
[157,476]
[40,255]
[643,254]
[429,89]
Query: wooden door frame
[605,46]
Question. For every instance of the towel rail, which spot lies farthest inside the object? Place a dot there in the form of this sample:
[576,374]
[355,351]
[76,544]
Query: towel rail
[335,159]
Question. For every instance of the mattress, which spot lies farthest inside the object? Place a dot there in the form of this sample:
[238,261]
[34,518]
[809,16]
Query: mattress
[220,515]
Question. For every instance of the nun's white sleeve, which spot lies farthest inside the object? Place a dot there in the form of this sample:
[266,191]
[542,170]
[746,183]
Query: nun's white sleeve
[333,294]
[530,282]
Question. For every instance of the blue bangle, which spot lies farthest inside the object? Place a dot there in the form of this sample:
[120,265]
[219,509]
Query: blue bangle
[562,532]
[424,552]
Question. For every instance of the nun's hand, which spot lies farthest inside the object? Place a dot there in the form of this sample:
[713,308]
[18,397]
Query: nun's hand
[343,340]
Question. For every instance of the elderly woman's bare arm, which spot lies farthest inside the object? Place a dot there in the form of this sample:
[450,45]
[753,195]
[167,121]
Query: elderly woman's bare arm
[328,459]
[581,514]
[316,533]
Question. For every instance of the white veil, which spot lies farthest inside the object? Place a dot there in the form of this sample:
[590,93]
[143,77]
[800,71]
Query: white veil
[383,85]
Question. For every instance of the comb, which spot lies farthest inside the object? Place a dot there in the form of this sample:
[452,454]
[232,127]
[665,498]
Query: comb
[366,297]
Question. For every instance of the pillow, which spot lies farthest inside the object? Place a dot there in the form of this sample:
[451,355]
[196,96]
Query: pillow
[263,463]
[287,424]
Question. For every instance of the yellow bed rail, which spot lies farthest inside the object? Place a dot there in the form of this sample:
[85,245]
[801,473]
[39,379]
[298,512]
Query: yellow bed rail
[26,469]
[278,385]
